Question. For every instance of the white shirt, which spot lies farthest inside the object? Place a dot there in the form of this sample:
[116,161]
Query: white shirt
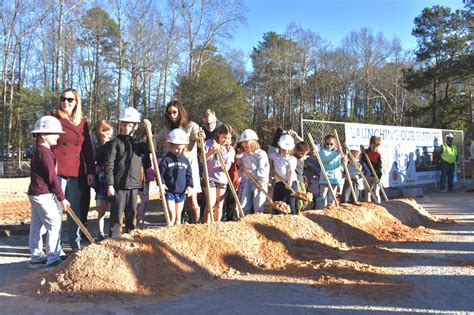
[281,165]
[257,163]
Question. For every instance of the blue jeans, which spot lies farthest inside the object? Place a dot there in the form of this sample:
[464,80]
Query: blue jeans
[291,200]
[72,190]
[447,171]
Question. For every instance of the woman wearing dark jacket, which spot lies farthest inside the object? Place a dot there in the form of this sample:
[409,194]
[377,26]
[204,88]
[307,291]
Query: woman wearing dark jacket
[73,145]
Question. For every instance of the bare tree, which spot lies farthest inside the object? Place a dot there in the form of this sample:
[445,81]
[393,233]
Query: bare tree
[206,22]
[371,52]
[8,18]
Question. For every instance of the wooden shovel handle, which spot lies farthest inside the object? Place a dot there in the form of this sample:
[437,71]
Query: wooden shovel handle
[369,162]
[157,172]
[255,182]
[206,177]
[284,182]
[366,183]
[346,169]
[231,184]
[323,170]
[80,224]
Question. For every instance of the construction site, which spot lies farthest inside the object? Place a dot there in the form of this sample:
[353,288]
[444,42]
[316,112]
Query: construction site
[405,255]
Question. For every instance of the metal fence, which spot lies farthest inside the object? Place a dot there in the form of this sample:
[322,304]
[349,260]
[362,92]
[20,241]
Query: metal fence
[319,129]
[14,169]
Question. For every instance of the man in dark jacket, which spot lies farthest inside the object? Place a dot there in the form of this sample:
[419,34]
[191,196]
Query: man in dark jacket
[123,172]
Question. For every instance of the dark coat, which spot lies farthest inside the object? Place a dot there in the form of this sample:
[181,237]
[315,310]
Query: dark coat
[123,162]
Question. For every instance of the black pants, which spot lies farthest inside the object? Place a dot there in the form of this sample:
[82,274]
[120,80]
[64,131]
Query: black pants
[229,210]
[85,200]
[123,203]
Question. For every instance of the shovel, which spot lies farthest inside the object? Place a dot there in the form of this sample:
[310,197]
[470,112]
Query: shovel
[362,149]
[323,170]
[346,170]
[157,172]
[231,184]
[206,178]
[279,205]
[79,223]
[294,194]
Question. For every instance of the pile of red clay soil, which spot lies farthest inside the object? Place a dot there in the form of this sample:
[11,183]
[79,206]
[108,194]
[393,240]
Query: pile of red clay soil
[15,208]
[333,246]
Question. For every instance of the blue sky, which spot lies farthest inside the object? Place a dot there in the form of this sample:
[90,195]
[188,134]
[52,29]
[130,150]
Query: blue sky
[333,19]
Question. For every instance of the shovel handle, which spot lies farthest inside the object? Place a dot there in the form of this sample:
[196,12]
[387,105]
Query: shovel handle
[366,183]
[157,172]
[362,149]
[284,182]
[231,184]
[346,169]
[206,177]
[80,224]
[323,170]
[256,183]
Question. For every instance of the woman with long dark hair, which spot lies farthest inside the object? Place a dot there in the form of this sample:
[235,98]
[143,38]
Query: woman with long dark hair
[176,116]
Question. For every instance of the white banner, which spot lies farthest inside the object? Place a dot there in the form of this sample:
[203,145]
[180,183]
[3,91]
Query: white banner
[407,153]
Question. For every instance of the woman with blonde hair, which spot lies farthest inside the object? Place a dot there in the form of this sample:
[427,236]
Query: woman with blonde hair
[74,154]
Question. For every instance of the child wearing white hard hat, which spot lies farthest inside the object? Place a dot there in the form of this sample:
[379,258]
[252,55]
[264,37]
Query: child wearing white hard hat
[176,174]
[256,161]
[123,172]
[46,196]
[284,165]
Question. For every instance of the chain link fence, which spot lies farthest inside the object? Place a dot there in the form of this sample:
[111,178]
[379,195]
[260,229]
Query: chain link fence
[9,169]
[320,129]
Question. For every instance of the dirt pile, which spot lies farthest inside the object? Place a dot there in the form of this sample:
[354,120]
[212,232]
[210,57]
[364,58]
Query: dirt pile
[15,208]
[410,213]
[313,248]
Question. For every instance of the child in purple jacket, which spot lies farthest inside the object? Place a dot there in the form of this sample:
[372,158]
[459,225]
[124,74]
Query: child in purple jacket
[46,196]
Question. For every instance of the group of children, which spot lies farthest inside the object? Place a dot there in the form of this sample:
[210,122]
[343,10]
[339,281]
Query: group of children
[123,163]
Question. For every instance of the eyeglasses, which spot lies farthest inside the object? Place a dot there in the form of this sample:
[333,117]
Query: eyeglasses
[68,99]
[329,143]
[172,112]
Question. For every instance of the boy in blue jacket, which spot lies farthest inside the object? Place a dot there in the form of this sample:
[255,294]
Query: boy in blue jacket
[176,174]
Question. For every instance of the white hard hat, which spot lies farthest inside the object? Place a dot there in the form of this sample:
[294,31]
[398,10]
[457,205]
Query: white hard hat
[286,142]
[130,114]
[178,136]
[450,135]
[48,124]
[247,135]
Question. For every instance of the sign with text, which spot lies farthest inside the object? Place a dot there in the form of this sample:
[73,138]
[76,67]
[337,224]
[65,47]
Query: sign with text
[408,154]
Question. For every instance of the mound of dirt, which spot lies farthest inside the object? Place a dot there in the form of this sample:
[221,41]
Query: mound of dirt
[15,208]
[410,213]
[372,223]
[313,248]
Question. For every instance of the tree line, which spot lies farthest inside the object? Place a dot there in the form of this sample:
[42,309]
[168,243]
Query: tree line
[144,53]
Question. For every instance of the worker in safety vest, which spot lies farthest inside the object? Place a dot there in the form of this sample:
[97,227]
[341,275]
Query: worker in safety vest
[449,156]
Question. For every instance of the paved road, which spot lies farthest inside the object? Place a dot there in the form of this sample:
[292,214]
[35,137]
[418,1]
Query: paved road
[440,282]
